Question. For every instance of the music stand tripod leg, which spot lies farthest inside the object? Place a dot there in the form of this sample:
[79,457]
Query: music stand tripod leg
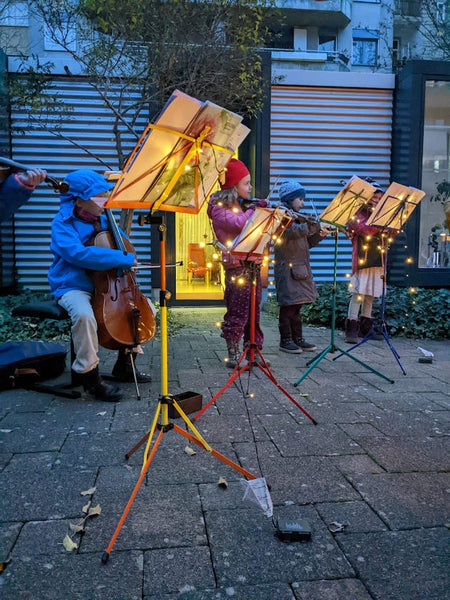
[252,349]
[332,347]
[384,329]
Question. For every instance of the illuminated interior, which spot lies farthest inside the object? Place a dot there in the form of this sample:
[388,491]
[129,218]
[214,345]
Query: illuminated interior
[201,276]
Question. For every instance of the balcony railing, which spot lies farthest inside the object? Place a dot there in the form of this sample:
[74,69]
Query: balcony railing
[408,8]
[311,56]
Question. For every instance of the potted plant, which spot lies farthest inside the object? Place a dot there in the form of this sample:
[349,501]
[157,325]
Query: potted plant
[442,196]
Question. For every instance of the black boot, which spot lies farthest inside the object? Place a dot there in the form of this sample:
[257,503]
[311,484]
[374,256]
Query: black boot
[351,331]
[97,389]
[367,328]
[123,369]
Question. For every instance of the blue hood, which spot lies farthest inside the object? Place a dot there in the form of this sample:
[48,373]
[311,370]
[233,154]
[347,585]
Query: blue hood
[84,184]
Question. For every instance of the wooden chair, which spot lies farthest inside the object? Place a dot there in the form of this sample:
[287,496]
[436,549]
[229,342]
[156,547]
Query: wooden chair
[197,267]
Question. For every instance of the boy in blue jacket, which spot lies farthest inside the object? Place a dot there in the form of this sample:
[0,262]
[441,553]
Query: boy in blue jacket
[78,220]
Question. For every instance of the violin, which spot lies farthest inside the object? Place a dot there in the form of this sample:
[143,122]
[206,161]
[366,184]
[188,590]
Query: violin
[125,317]
[13,167]
[304,218]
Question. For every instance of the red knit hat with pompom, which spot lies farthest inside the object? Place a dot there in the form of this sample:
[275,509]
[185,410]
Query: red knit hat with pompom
[235,171]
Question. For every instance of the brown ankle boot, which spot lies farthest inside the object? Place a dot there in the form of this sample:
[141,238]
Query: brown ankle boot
[367,328]
[351,331]
[233,354]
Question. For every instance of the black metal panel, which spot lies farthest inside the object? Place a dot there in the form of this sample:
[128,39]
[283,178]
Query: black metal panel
[7,266]
[407,154]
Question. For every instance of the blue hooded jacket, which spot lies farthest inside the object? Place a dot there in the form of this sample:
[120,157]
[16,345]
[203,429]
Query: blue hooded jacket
[71,258]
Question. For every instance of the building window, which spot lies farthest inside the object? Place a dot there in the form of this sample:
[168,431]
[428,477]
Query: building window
[14,14]
[14,28]
[440,12]
[434,244]
[395,51]
[327,43]
[365,47]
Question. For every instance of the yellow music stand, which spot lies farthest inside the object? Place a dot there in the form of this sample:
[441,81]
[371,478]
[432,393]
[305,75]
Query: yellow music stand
[124,196]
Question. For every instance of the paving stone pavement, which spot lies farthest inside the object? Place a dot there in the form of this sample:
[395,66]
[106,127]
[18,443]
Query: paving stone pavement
[377,463]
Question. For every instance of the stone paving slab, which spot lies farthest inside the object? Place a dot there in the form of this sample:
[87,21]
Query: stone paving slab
[237,592]
[406,500]
[339,589]
[245,549]
[78,577]
[311,479]
[165,569]
[22,434]
[402,564]
[406,454]
[354,516]
[377,460]
[160,517]
[293,439]
[43,494]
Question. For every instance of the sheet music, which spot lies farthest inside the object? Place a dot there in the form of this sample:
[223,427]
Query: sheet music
[395,207]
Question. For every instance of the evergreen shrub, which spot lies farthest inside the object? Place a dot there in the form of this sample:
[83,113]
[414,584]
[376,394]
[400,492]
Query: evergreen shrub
[422,313]
[25,328]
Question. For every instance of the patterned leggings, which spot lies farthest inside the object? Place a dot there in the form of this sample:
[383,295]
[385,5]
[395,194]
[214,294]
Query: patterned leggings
[236,322]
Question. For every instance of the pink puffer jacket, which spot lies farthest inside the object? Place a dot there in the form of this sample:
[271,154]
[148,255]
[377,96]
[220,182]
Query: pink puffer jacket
[228,224]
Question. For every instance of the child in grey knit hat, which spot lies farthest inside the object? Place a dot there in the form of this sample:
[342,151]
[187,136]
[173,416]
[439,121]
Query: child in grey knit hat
[293,275]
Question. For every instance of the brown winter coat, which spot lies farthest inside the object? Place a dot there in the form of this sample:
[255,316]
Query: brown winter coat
[293,275]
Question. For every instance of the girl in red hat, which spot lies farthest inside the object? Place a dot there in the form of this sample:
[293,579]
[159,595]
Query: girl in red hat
[229,213]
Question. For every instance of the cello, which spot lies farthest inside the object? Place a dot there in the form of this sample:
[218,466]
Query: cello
[125,317]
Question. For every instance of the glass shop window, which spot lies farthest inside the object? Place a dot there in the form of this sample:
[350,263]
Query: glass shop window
[434,242]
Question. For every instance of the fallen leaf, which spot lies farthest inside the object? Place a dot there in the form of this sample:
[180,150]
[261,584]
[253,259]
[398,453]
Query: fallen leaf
[94,511]
[76,528]
[190,451]
[222,482]
[3,566]
[102,414]
[5,430]
[88,492]
[86,506]
[69,544]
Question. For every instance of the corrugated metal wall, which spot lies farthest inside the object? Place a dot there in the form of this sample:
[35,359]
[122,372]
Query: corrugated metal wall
[90,126]
[321,136]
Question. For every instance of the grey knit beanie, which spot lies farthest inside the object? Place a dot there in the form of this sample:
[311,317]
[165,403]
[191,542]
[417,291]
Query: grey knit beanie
[289,190]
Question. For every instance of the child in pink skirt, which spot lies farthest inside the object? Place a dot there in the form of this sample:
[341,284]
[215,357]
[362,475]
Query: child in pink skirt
[367,272]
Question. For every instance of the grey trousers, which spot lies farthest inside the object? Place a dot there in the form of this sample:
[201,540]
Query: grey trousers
[84,329]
